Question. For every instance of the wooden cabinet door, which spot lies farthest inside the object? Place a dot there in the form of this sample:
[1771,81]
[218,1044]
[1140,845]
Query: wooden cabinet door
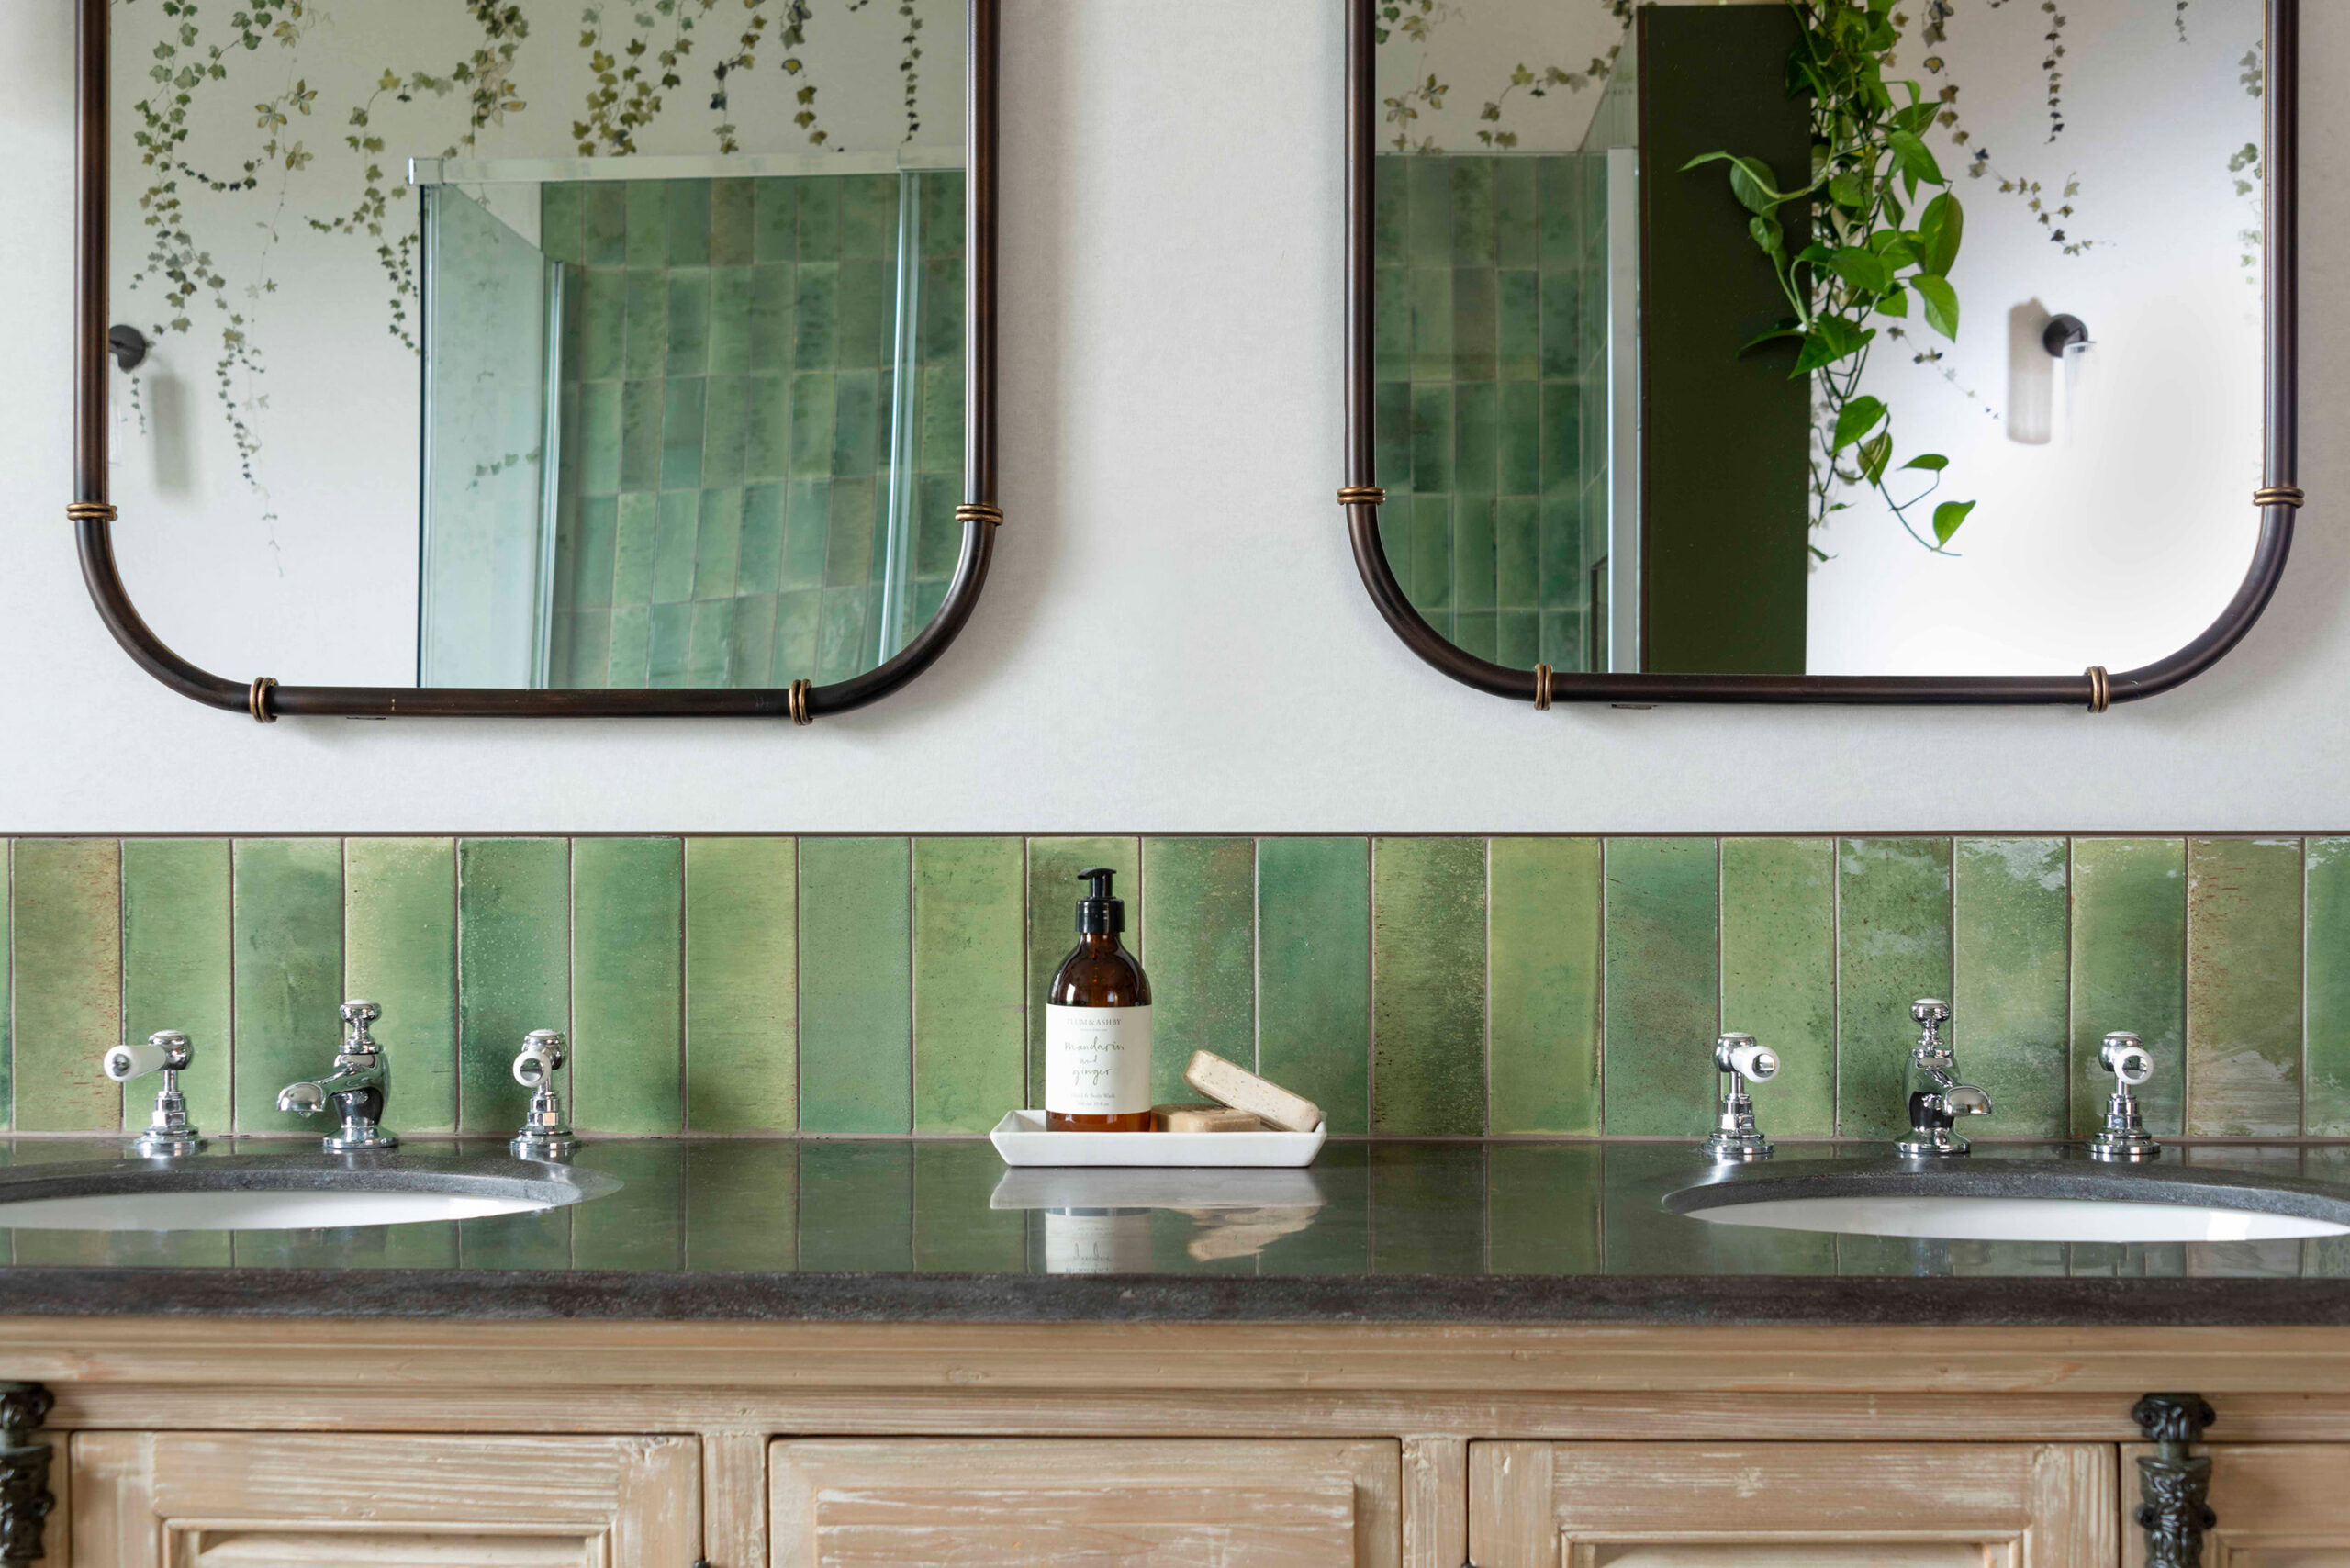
[2280,1505]
[1791,1506]
[263,1500]
[1118,1504]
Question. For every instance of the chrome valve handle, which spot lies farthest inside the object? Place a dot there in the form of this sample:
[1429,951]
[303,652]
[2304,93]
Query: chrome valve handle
[1738,1061]
[169,1132]
[545,1134]
[2124,1138]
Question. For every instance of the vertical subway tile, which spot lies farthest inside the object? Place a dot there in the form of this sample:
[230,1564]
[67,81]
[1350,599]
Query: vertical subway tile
[2325,959]
[1314,973]
[399,912]
[1778,935]
[286,905]
[969,1017]
[1543,987]
[2129,968]
[1053,893]
[1892,946]
[67,919]
[1201,895]
[2010,903]
[175,964]
[627,941]
[1664,979]
[742,985]
[513,968]
[855,980]
[1428,986]
[2243,987]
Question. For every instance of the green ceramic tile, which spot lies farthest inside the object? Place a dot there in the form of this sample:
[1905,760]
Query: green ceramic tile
[603,334]
[1516,213]
[857,416]
[1778,937]
[1431,325]
[856,1207]
[772,327]
[850,533]
[1518,451]
[1391,324]
[760,563]
[640,435]
[969,1012]
[590,656]
[863,311]
[679,520]
[1428,212]
[1472,211]
[67,898]
[766,433]
[718,544]
[775,219]
[1428,986]
[1474,568]
[730,320]
[797,618]
[1543,989]
[815,314]
[513,968]
[1561,459]
[606,217]
[1892,946]
[645,348]
[1431,552]
[709,642]
[648,224]
[688,222]
[844,641]
[812,424]
[820,218]
[1476,310]
[2129,970]
[726,416]
[644,1224]
[1200,897]
[1314,973]
[599,539]
[1663,997]
[287,905]
[2243,987]
[940,437]
[733,222]
[1528,1229]
[2325,957]
[856,985]
[1390,207]
[668,644]
[956,1230]
[869,216]
[1434,440]
[747,667]
[942,311]
[629,661]
[399,925]
[602,437]
[742,985]
[688,323]
[2011,898]
[1413,1223]
[1053,893]
[627,933]
[635,545]
[175,965]
[681,432]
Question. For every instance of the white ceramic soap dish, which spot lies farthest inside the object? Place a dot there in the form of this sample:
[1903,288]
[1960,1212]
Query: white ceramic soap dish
[1021,1139]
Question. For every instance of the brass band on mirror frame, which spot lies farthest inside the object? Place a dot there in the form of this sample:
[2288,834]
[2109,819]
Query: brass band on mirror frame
[2276,501]
[265,699]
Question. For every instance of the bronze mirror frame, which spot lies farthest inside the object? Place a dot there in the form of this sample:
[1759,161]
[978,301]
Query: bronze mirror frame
[265,699]
[2278,500]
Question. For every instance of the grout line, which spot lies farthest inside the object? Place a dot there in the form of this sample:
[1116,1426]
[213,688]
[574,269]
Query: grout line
[684,938]
[1835,987]
[1599,988]
[914,1001]
[1256,956]
[1486,1011]
[1371,1000]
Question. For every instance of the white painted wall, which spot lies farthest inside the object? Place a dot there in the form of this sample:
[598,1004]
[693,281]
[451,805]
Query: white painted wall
[1173,559]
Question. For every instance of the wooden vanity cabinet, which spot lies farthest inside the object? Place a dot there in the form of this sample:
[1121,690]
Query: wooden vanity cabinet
[1792,1505]
[268,1500]
[2280,1505]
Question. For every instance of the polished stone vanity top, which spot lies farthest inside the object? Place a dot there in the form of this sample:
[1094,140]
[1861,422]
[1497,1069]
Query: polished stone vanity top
[897,1230]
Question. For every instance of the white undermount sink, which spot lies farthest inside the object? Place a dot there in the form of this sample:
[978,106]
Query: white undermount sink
[2016,1200]
[295,1191]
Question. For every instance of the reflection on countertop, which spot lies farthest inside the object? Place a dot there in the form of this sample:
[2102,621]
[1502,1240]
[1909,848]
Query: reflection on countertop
[1394,1229]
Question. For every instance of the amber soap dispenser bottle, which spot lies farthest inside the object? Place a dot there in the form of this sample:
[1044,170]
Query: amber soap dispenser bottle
[1097,1026]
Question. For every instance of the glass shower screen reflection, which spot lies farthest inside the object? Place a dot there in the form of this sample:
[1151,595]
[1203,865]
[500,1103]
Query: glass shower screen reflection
[704,429]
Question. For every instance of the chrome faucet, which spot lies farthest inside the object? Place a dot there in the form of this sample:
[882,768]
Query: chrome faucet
[1738,1061]
[169,1132]
[2124,1136]
[1930,1085]
[545,1134]
[358,1089]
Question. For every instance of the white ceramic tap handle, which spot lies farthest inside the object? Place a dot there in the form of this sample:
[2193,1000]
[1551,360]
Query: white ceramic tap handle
[134,1059]
[1756,1064]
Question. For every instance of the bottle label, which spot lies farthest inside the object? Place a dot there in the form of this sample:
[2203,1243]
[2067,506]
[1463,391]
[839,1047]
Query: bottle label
[1097,1060]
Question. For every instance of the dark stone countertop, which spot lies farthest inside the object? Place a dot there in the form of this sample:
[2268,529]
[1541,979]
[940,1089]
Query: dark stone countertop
[1395,1231]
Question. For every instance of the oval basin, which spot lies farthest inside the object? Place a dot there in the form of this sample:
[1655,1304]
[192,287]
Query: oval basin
[306,1191]
[2016,1199]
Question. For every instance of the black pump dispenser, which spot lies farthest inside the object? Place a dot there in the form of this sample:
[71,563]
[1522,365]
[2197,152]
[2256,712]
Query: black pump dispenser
[1098,912]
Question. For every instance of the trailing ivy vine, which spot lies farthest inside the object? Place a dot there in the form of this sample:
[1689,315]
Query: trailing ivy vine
[1877,247]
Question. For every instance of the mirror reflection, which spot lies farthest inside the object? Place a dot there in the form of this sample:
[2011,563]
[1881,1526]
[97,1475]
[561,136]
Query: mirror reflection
[1833,337]
[516,346]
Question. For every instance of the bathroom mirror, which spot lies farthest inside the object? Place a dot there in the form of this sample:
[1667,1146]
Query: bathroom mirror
[1820,350]
[454,357]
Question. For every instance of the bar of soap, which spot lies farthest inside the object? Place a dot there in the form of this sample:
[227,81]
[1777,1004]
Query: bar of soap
[1204,1119]
[1244,1091]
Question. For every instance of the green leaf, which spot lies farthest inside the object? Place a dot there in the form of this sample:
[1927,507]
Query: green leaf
[1947,517]
[1916,163]
[1859,417]
[1767,234]
[1832,338]
[1894,303]
[1875,452]
[1941,228]
[1847,191]
[1931,462]
[1941,302]
[1784,329]
[1750,180]
[1863,269]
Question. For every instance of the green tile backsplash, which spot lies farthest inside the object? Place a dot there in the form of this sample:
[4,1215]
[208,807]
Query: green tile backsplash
[1413,986]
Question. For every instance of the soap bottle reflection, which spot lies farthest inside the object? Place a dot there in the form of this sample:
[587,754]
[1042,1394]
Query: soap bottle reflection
[1097,1241]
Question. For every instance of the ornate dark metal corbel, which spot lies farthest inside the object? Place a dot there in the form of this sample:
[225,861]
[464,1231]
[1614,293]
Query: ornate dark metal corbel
[2175,1486]
[25,1497]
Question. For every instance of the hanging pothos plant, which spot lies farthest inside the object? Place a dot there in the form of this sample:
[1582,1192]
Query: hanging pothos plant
[1875,248]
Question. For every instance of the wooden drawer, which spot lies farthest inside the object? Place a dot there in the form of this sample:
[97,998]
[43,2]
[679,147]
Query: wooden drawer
[1194,1503]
